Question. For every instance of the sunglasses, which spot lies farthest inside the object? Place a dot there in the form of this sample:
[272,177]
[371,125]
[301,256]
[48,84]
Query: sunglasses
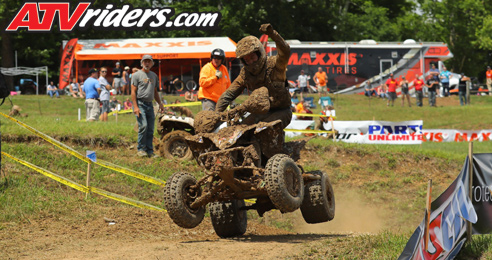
[104,71]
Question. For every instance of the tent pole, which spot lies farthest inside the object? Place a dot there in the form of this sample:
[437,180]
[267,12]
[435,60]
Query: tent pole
[160,76]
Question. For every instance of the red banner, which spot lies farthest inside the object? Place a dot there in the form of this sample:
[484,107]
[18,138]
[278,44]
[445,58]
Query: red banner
[66,63]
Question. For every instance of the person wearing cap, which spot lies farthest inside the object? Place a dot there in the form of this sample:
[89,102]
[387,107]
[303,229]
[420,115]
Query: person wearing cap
[432,85]
[488,77]
[91,90]
[462,89]
[214,80]
[391,85]
[144,91]
[117,74]
[302,82]
[126,81]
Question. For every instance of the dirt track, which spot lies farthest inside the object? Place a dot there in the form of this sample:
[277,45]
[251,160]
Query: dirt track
[143,234]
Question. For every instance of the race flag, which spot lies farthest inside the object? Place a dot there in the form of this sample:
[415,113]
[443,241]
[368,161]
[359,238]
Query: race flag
[66,63]
[91,155]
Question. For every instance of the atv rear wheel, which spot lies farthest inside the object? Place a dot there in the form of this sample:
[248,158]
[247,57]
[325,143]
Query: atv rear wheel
[228,219]
[178,196]
[173,146]
[319,200]
[284,183]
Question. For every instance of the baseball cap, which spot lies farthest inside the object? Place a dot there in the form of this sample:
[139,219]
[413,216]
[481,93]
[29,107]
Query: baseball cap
[92,71]
[127,68]
[147,57]
[117,63]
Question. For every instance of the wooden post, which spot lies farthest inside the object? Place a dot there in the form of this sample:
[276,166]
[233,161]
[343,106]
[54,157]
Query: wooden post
[87,183]
[470,187]
[427,216]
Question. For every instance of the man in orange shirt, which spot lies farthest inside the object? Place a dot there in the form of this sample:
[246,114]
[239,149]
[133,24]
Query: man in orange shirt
[488,76]
[321,78]
[214,80]
[418,83]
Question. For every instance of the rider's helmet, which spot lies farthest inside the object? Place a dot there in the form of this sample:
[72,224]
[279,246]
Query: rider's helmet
[251,44]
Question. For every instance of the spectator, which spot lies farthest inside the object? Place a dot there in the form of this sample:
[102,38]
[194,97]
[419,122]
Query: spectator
[390,85]
[434,73]
[328,111]
[144,91]
[445,75]
[91,90]
[488,77]
[126,81]
[169,87]
[127,105]
[369,91]
[418,84]
[462,89]
[117,74]
[104,94]
[52,89]
[300,106]
[74,89]
[113,104]
[303,81]
[432,84]
[189,96]
[321,79]
[381,91]
[404,92]
[214,80]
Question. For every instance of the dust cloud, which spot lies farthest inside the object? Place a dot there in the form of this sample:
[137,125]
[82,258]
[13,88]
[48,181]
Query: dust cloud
[352,214]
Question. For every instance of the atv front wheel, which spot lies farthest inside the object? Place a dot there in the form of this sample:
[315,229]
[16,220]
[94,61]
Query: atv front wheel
[173,146]
[178,196]
[228,219]
[284,183]
[319,200]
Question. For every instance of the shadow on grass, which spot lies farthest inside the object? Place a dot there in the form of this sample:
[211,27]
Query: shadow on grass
[290,238]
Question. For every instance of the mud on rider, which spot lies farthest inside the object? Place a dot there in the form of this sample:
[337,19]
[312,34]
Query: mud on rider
[262,71]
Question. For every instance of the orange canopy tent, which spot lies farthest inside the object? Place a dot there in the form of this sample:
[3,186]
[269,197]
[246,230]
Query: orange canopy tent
[170,55]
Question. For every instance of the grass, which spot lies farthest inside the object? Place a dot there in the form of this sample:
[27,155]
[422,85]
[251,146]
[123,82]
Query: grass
[385,174]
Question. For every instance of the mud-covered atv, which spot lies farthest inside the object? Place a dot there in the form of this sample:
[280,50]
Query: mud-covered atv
[244,162]
[173,131]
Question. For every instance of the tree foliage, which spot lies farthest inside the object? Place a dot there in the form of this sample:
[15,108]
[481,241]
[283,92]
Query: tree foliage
[465,25]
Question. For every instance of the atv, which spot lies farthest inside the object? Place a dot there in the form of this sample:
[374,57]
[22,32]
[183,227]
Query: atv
[173,131]
[246,162]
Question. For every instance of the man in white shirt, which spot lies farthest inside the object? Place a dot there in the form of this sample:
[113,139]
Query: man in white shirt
[104,95]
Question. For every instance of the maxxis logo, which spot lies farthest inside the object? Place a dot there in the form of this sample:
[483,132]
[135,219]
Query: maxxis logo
[41,16]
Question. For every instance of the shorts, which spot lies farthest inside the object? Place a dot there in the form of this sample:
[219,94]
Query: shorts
[391,95]
[92,109]
[404,91]
[117,83]
[105,106]
[322,89]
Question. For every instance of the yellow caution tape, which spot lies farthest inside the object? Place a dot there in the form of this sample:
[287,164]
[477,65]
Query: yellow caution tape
[187,104]
[312,115]
[85,159]
[49,174]
[85,189]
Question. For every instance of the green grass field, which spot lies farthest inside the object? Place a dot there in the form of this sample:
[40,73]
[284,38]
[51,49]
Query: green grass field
[25,195]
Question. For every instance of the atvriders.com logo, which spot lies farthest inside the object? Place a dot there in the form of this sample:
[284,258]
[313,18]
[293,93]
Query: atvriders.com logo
[40,17]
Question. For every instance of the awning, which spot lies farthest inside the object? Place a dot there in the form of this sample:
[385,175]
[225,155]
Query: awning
[159,48]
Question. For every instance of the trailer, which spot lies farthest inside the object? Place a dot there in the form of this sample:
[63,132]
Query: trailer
[350,64]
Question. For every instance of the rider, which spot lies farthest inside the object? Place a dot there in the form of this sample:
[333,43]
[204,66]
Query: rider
[262,71]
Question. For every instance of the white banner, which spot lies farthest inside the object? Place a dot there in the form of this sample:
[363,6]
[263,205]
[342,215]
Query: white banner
[384,132]
[451,135]
[369,132]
